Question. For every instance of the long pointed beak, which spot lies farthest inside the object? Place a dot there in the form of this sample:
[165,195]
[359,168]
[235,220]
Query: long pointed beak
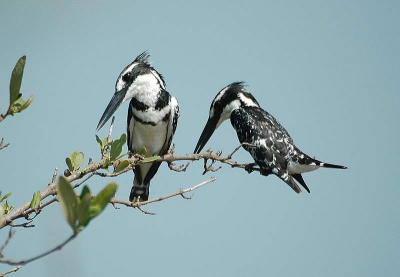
[209,129]
[115,102]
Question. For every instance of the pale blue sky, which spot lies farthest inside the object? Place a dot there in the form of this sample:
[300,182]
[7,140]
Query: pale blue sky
[328,71]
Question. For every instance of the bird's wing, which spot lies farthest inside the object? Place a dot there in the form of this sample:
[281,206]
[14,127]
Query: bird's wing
[265,139]
[130,126]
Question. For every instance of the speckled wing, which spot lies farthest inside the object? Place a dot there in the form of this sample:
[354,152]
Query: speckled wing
[266,140]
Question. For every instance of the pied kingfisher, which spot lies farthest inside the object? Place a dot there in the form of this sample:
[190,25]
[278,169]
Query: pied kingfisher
[261,135]
[152,118]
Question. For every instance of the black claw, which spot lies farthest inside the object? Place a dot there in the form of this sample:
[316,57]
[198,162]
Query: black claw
[265,172]
[250,167]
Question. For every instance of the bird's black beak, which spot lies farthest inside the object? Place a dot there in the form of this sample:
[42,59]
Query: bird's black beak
[207,133]
[115,102]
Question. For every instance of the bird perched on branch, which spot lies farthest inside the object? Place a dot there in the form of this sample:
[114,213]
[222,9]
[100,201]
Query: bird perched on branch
[152,118]
[261,135]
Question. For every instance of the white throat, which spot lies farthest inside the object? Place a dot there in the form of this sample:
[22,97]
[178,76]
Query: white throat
[145,89]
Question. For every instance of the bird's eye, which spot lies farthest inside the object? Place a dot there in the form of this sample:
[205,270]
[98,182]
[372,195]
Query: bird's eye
[126,77]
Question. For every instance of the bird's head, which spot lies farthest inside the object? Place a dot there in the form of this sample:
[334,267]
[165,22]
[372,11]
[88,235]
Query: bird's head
[139,74]
[230,98]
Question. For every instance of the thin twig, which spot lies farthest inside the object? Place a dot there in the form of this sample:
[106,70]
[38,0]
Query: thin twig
[210,167]
[53,179]
[15,269]
[181,192]
[181,168]
[233,152]
[25,224]
[110,130]
[84,180]
[24,262]
[3,145]
[9,237]
[143,210]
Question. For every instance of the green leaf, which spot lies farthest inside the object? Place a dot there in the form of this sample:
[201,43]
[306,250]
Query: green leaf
[66,197]
[1,213]
[143,151]
[77,159]
[5,197]
[149,159]
[123,138]
[116,147]
[35,203]
[69,164]
[16,80]
[7,208]
[99,203]
[83,208]
[85,191]
[105,142]
[100,142]
[26,104]
[122,165]
[18,103]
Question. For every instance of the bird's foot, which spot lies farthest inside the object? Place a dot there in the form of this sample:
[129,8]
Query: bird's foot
[138,195]
[265,172]
[250,167]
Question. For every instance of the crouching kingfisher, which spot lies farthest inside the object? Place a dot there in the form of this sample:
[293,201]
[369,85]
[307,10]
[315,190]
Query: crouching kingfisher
[261,135]
[152,118]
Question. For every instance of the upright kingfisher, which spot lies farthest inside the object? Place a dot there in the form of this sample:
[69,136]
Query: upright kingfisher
[152,118]
[261,135]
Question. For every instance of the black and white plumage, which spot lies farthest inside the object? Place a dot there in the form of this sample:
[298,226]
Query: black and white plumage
[152,118]
[261,135]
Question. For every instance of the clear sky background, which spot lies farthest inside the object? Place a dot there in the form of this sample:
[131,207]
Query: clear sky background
[328,71]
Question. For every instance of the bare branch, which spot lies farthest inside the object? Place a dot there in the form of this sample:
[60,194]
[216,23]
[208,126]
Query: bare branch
[181,168]
[9,237]
[93,169]
[181,192]
[25,224]
[212,179]
[139,207]
[2,145]
[15,269]
[110,130]
[24,262]
[84,180]
[53,179]
[234,151]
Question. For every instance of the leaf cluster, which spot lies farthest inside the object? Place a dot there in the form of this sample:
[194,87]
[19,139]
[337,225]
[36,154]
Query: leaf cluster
[5,208]
[80,210]
[75,161]
[114,147]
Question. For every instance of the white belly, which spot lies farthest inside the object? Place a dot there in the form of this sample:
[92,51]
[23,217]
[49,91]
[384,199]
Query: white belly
[151,137]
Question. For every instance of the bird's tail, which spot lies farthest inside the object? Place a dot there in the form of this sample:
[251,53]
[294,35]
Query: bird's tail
[139,191]
[312,161]
[308,161]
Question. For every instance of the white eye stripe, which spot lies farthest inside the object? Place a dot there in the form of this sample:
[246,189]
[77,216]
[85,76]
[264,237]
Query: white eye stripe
[247,101]
[121,83]
[158,77]
[220,94]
